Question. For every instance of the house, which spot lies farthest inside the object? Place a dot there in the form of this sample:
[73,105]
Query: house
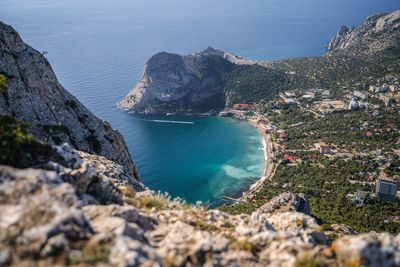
[291,159]
[241,106]
[360,95]
[386,189]
[326,92]
[353,105]
[359,197]
[386,99]
[368,133]
[289,94]
[282,136]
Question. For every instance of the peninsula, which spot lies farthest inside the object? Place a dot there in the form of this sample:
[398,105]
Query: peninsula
[70,194]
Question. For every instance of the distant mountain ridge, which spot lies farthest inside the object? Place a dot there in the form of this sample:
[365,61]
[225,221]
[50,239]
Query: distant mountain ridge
[214,79]
[374,23]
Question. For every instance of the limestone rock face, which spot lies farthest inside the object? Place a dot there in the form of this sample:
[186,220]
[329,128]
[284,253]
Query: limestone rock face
[287,202]
[35,95]
[44,221]
[373,24]
[174,83]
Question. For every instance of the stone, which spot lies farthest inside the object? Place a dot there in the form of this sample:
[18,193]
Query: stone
[287,202]
[39,215]
[35,95]
[368,250]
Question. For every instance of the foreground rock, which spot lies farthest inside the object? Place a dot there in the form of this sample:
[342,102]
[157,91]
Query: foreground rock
[74,214]
[34,95]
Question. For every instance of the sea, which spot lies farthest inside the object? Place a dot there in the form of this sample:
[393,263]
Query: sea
[98,49]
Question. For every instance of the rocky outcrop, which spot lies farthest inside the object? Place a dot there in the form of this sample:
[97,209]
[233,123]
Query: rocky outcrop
[373,24]
[174,83]
[287,202]
[33,94]
[54,217]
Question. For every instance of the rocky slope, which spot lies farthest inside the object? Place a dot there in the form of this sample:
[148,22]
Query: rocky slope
[79,216]
[174,83]
[33,94]
[373,24]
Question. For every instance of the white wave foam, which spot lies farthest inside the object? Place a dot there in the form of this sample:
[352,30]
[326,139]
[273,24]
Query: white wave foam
[166,121]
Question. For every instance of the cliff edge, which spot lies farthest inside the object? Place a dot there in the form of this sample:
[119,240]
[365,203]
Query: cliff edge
[33,94]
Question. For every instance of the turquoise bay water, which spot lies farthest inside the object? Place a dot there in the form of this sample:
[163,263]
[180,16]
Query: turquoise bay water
[199,159]
[98,49]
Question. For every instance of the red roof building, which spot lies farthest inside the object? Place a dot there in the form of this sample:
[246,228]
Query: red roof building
[241,106]
[368,133]
[282,136]
[290,158]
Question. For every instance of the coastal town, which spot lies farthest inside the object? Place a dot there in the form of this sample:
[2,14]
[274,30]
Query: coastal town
[353,138]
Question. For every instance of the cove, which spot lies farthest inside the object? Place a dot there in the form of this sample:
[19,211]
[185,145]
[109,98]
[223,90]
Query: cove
[196,158]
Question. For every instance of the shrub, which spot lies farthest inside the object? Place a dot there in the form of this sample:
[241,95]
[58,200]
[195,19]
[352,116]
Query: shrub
[308,261]
[107,125]
[3,83]
[95,253]
[154,201]
[17,147]
[71,103]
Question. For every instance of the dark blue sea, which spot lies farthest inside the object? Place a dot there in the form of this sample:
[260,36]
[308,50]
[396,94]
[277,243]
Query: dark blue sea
[98,49]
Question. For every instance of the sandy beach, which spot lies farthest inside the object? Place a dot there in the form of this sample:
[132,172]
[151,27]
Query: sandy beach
[269,162]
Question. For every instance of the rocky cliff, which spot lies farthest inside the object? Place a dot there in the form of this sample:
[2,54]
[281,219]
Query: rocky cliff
[32,93]
[213,79]
[372,25]
[175,83]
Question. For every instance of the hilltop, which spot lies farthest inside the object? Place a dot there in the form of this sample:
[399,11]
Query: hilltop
[214,79]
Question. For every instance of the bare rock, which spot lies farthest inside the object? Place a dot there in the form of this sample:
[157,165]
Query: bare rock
[39,216]
[287,202]
[35,95]
[368,250]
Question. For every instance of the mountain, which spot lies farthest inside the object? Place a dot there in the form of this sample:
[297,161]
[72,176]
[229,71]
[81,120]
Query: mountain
[73,208]
[172,82]
[214,79]
[33,94]
[373,24]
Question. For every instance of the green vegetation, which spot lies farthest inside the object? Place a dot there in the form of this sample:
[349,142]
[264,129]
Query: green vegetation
[93,253]
[3,83]
[240,245]
[107,125]
[71,104]
[330,179]
[326,183]
[17,147]
[345,130]
[308,261]
[251,83]
[154,202]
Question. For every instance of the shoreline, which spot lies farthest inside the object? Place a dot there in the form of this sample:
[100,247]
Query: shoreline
[268,157]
